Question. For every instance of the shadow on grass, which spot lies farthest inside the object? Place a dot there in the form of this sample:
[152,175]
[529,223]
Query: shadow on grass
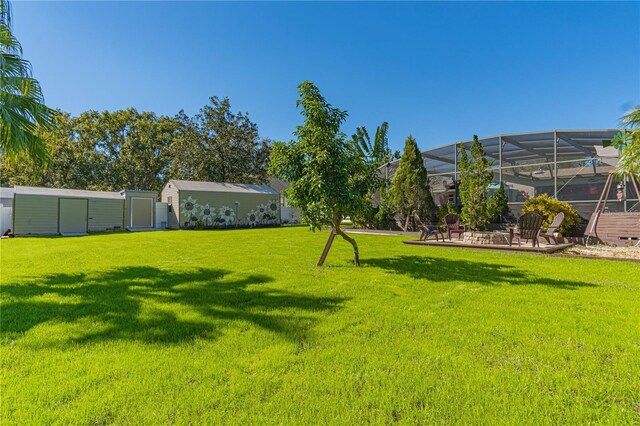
[445,270]
[153,305]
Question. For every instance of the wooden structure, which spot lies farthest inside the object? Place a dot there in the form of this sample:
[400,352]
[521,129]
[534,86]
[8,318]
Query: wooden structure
[427,230]
[613,228]
[529,227]
[500,247]
[552,231]
[452,222]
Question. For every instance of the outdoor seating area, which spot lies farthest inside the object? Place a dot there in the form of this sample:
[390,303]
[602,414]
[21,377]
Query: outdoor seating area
[523,236]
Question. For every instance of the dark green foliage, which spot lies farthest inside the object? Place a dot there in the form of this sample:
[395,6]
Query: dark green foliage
[410,193]
[101,151]
[219,145]
[140,150]
[475,177]
[386,212]
[499,204]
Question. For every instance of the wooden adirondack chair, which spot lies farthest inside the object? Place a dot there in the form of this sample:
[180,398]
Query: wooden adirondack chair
[427,230]
[552,231]
[452,222]
[529,227]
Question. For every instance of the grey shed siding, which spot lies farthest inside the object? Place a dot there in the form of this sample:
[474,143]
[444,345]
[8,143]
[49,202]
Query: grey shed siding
[128,195]
[174,206]
[105,214]
[35,214]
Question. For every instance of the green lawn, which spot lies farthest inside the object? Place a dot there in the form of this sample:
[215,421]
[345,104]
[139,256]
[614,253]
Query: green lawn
[241,327]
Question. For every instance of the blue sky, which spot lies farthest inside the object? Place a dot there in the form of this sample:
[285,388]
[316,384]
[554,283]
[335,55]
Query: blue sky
[440,71]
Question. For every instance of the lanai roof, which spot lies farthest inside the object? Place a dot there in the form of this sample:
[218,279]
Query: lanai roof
[526,148]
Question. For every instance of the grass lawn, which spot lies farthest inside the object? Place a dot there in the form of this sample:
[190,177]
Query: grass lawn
[241,327]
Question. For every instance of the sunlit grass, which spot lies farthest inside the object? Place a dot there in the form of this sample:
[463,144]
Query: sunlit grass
[241,327]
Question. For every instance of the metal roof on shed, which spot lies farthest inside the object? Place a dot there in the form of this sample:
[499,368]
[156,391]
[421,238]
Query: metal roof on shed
[71,193]
[189,185]
[6,192]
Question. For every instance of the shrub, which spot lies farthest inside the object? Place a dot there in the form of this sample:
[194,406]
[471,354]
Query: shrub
[386,213]
[549,207]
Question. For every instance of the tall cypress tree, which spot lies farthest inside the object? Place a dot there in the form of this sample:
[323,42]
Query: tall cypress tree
[410,193]
[475,177]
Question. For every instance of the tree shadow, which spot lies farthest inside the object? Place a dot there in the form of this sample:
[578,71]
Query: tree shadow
[152,305]
[446,270]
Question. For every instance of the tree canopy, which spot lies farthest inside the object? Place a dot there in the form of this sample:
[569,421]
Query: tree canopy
[219,145]
[329,181]
[140,150]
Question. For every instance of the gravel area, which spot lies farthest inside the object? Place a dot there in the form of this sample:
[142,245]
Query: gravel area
[605,251]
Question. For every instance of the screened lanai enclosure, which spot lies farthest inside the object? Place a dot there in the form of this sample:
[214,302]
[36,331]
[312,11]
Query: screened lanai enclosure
[571,165]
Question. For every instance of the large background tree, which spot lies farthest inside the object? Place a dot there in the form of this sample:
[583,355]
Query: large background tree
[219,145]
[329,181]
[101,151]
[410,194]
[475,177]
[112,150]
[22,109]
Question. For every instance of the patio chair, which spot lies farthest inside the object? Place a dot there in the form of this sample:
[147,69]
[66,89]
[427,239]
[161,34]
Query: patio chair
[552,231]
[427,230]
[529,227]
[452,222]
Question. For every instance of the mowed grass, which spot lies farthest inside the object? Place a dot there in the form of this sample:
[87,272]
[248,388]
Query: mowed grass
[241,327]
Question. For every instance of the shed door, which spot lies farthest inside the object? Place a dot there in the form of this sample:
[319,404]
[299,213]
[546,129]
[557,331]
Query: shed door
[73,216]
[142,212]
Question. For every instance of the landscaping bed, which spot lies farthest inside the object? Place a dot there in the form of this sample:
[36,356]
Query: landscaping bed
[605,251]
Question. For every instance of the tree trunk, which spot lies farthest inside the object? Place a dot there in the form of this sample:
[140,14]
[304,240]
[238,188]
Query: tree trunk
[356,253]
[407,221]
[327,246]
[337,219]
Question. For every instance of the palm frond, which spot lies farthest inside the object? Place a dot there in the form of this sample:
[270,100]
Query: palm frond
[22,109]
[629,144]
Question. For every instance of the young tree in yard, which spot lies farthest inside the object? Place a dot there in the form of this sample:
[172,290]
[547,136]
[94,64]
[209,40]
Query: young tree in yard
[410,193]
[22,109]
[329,181]
[475,177]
